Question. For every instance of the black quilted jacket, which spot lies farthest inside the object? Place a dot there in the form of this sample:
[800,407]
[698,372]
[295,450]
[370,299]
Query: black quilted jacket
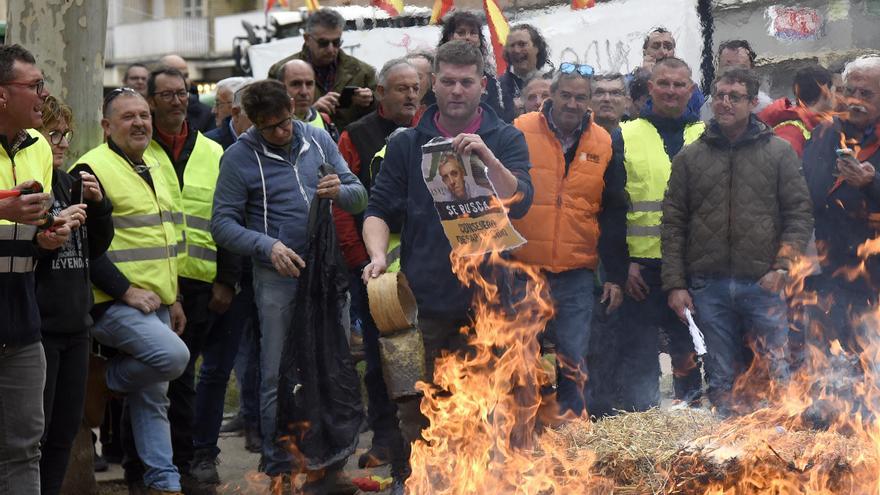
[733,209]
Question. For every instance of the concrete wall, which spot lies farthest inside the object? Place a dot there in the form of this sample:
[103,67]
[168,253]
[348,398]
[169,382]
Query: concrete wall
[809,31]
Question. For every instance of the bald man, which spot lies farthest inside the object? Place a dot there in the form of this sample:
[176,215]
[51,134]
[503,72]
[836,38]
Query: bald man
[198,114]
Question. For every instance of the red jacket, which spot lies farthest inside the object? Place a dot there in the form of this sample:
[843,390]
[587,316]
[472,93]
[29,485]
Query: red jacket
[350,242]
[782,110]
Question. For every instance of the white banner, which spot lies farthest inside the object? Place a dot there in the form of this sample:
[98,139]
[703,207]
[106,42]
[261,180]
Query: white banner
[608,36]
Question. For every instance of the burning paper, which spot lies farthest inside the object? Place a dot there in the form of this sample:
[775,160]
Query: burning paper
[466,201]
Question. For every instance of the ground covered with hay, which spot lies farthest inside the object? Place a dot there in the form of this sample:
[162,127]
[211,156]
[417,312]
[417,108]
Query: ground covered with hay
[690,451]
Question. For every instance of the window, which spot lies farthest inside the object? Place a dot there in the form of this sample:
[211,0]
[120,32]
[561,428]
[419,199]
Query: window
[193,8]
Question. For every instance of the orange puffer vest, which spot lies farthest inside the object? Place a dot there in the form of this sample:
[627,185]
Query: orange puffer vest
[562,226]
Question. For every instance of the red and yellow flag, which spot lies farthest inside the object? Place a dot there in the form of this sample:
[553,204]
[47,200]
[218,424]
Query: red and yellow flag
[313,5]
[441,8]
[582,4]
[271,3]
[393,7]
[498,29]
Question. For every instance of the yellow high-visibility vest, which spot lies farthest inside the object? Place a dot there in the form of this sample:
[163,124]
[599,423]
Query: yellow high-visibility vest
[197,252]
[647,172]
[33,162]
[393,251]
[144,246]
[797,123]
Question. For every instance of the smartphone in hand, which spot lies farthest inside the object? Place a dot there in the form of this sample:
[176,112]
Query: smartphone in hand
[76,191]
[346,96]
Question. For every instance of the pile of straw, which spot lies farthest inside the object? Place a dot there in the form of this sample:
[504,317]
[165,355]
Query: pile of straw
[691,451]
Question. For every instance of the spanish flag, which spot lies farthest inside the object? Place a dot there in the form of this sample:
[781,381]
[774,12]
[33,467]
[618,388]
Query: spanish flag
[313,5]
[498,28]
[271,3]
[393,7]
[582,4]
[441,8]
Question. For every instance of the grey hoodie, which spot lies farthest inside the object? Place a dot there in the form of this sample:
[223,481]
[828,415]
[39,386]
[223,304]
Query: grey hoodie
[263,192]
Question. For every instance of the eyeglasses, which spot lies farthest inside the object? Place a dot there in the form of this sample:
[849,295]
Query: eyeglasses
[37,85]
[169,96]
[113,94]
[55,137]
[582,69]
[282,124]
[324,43]
[862,94]
[733,98]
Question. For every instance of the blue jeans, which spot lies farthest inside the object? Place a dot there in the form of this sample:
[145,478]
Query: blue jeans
[22,378]
[572,295]
[153,356]
[218,357]
[275,297]
[733,311]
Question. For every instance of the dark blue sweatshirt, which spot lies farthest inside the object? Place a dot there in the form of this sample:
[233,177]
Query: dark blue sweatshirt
[400,197]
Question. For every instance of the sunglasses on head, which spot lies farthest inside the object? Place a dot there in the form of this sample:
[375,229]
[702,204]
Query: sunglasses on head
[582,69]
[324,43]
[113,94]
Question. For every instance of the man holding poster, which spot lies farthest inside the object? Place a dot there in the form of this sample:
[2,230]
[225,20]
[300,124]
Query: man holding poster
[495,159]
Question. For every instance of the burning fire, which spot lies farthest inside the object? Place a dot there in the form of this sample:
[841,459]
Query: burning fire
[489,434]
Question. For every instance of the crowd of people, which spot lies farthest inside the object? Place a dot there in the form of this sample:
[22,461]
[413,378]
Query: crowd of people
[644,203]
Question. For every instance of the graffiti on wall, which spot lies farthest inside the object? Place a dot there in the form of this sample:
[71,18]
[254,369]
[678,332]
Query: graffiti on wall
[794,23]
[605,56]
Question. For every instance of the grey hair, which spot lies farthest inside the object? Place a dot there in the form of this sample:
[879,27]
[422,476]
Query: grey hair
[560,76]
[230,83]
[424,54]
[863,63]
[389,67]
[326,18]
[614,76]
[238,90]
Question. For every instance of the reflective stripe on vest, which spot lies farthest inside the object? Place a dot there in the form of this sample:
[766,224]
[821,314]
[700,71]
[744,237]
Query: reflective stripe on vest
[199,255]
[33,162]
[144,245]
[797,123]
[647,173]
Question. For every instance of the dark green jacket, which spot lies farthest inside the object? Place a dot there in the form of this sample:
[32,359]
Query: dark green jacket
[349,72]
[733,209]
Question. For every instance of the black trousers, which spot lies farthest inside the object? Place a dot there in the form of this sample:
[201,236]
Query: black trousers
[67,367]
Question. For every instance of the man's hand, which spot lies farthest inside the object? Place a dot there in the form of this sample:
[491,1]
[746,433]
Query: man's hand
[363,97]
[678,300]
[773,281]
[74,216]
[855,174]
[28,208]
[636,287]
[91,189]
[145,301]
[376,267]
[56,236]
[286,261]
[221,298]
[178,317]
[465,144]
[327,103]
[328,186]
[611,294]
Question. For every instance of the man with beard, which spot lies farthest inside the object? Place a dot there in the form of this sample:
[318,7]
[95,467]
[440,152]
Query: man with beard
[399,197]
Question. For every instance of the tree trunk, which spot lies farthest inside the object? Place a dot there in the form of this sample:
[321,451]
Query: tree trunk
[67,39]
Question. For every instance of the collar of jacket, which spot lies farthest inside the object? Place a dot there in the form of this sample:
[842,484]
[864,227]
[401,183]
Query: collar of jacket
[19,142]
[755,131]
